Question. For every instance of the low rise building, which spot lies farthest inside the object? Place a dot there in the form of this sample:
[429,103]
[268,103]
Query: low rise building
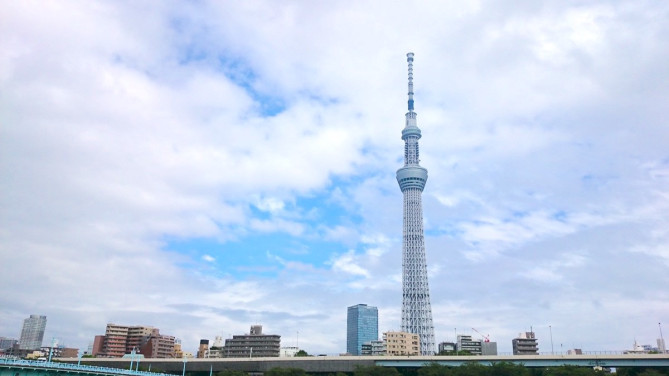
[401,343]
[374,348]
[60,352]
[446,347]
[525,344]
[489,348]
[288,352]
[468,345]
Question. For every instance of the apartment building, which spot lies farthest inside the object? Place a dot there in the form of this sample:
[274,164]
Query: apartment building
[401,343]
[122,339]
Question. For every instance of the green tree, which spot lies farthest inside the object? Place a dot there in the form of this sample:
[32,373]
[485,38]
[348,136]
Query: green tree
[375,371]
[653,372]
[276,371]
[435,369]
[508,369]
[301,353]
[471,369]
[569,370]
[229,372]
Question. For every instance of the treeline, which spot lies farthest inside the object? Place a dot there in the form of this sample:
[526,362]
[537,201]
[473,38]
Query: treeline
[469,369]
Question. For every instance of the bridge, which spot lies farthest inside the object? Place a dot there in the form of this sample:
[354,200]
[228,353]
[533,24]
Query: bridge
[21,367]
[327,364]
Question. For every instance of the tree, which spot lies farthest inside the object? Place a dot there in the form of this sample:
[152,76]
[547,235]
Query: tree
[375,371]
[471,369]
[301,353]
[229,372]
[569,370]
[276,371]
[435,369]
[508,369]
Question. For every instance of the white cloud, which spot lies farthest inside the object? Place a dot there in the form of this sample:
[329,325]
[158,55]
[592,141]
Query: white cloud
[544,133]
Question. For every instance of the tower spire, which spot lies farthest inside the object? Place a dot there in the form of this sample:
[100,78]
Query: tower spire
[416,308]
[410,61]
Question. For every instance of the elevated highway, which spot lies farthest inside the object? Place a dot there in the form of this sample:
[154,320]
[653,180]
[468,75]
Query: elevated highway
[349,363]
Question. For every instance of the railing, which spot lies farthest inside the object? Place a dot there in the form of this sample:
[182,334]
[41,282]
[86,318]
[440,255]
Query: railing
[76,367]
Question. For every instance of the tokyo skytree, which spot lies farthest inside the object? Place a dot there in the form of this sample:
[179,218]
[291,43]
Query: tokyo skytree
[416,309]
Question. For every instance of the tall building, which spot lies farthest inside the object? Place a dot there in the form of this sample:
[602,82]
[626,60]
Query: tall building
[32,332]
[525,344]
[362,326]
[416,309]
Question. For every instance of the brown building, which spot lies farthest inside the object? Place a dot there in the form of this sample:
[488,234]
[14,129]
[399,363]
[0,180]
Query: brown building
[401,343]
[120,340]
[203,349]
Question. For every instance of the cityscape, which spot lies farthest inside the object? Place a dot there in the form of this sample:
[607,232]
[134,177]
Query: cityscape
[362,339]
[210,180]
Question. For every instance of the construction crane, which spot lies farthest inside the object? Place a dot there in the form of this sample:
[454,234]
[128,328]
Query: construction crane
[485,337]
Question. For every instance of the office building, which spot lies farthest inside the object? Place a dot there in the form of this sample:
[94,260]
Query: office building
[32,332]
[467,345]
[362,326]
[401,343]
[255,344]
[416,308]
[525,344]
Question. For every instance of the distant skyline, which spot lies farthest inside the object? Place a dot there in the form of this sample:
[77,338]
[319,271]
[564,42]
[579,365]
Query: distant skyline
[200,167]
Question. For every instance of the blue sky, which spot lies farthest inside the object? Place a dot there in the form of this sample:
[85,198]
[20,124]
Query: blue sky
[204,166]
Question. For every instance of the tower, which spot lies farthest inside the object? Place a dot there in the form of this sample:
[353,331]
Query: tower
[32,332]
[362,326]
[416,309]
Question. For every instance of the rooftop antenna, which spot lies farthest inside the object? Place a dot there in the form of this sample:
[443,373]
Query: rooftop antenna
[410,61]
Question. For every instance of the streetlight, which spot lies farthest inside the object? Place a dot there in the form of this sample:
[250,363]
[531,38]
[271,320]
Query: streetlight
[132,357]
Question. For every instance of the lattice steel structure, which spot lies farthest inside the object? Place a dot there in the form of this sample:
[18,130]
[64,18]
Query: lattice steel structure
[416,308]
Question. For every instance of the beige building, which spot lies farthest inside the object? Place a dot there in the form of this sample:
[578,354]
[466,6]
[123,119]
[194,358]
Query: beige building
[401,343]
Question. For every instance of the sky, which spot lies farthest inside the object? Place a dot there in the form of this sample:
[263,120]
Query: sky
[205,166]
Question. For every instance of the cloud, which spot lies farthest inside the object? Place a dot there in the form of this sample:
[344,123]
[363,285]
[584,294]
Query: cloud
[266,140]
